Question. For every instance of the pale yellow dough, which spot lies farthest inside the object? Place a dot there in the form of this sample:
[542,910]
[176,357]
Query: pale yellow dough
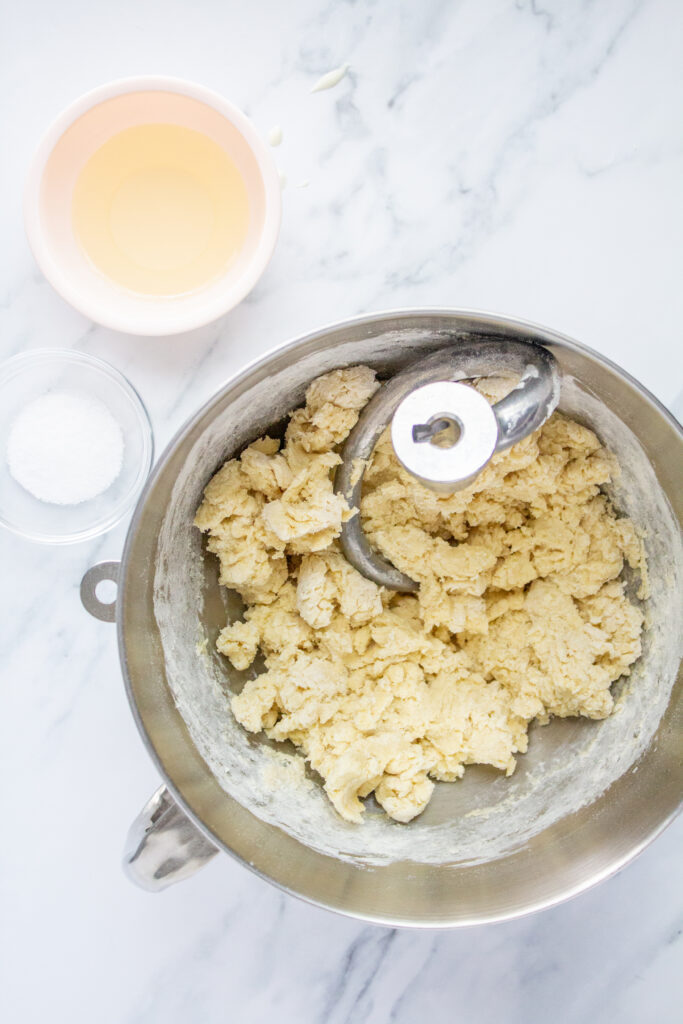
[520,615]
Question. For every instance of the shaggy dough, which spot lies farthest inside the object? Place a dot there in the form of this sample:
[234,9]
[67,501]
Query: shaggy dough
[520,614]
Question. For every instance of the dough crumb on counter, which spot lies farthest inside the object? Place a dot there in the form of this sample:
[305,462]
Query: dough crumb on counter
[521,612]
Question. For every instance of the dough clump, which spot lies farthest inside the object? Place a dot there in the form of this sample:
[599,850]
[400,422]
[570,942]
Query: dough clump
[521,612]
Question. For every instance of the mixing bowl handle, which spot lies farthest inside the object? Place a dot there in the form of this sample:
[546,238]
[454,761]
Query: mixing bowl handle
[163,845]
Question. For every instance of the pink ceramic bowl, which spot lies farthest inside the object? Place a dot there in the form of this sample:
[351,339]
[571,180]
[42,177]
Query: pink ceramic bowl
[66,147]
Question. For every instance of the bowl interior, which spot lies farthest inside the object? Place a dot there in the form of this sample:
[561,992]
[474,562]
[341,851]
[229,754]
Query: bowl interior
[37,373]
[49,212]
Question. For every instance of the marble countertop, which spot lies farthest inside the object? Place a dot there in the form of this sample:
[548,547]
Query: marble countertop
[524,157]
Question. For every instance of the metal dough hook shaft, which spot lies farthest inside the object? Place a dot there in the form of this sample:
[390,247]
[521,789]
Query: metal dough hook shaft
[424,400]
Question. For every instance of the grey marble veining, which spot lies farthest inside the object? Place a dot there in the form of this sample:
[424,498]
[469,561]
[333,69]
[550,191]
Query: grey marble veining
[522,157]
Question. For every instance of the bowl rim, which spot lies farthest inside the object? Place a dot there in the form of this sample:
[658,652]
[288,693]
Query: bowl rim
[23,360]
[172,318]
[181,792]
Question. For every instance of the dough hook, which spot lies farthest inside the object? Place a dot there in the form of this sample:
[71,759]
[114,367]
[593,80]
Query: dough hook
[443,432]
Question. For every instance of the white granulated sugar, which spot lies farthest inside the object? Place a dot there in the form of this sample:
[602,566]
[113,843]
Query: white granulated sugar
[65,448]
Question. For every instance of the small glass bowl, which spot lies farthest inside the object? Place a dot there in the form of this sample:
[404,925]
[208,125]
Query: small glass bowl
[26,377]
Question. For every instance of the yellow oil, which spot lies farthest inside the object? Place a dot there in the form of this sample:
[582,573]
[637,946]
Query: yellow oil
[161,209]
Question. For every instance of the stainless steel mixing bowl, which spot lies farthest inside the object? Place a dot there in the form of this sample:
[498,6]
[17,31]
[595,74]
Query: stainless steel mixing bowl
[575,835]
